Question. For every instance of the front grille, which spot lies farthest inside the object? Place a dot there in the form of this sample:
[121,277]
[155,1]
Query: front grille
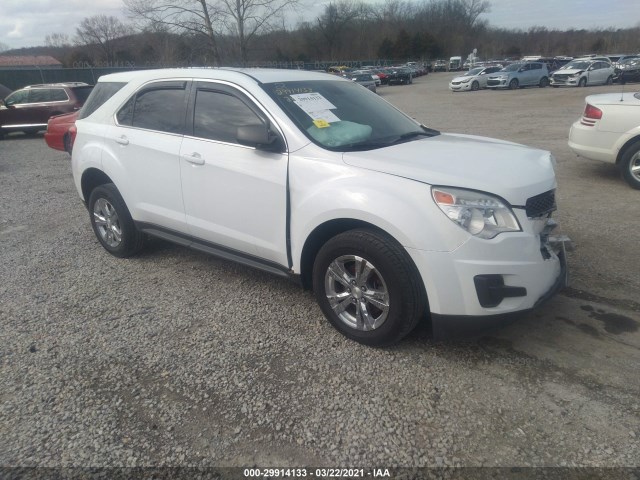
[455,83]
[540,205]
[561,77]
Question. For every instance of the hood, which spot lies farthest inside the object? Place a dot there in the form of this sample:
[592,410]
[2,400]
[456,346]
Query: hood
[628,98]
[510,170]
[463,78]
[568,71]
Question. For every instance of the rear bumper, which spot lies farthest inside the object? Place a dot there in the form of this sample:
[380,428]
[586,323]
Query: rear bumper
[589,142]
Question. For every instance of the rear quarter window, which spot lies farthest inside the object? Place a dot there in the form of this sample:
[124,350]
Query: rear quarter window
[97,96]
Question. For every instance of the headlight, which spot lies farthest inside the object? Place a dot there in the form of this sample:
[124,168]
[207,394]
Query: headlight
[466,80]
[480,214]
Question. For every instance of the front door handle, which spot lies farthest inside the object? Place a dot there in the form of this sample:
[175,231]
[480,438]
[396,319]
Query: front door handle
[194,158]
[122,140]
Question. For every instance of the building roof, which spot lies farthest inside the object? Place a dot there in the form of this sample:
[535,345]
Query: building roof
[28,61]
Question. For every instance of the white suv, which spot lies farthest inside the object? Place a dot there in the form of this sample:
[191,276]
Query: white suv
[314,177]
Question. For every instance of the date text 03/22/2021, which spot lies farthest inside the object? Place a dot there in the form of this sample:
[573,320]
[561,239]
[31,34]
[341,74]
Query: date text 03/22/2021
[316,473]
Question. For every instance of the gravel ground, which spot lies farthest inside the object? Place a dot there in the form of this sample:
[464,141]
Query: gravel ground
[176,358]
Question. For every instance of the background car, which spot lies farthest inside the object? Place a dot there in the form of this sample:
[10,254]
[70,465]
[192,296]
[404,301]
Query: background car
[364,79]
[628,70]
[58,136]
[440,66]
[609,131]
[29,109]
[521,74]
[400,76]
[583,72]
[474,79]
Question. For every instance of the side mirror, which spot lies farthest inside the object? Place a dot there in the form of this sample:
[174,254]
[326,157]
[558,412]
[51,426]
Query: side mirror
[258,136]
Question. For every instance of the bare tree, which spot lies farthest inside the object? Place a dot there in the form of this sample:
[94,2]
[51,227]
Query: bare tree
[248,18]
[3,47]
[193,16]
[335,20]
[57,40]
[102,31]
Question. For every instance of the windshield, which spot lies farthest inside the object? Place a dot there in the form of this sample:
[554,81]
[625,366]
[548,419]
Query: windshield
[581,65]
[342,116]
[472,72]
[514,67]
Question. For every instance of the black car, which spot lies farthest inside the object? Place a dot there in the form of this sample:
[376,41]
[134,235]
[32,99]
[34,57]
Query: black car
[400,76]
[628,71]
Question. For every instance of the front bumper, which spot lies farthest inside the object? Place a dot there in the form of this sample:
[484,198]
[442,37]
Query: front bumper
[446,326]
[500,83]
[530,266]
[460,87]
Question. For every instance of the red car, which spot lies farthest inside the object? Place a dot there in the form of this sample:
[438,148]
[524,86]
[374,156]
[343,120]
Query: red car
[61,131]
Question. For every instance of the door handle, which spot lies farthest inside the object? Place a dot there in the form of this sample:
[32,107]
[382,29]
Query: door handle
[194,158]
[122,140]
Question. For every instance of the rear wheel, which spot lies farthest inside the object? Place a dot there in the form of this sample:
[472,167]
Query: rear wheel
[630,166]
[513,84]
[112,222]
[368,287]
[582,82]
[544,82]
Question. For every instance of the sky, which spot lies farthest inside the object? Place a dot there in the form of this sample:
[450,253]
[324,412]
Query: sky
[26,23]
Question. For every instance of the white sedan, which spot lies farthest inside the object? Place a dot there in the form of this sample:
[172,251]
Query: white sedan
[609,131]
[474,79]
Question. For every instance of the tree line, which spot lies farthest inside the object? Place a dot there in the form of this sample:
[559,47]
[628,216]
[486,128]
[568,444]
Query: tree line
[245,32]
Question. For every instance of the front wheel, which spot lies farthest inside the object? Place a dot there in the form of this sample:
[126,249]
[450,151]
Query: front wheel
[475,86]
[582,82]
[630,166]
[368,287]
[513,84]
[609,80]
[112,222]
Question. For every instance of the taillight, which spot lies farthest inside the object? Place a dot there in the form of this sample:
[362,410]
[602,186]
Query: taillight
[590,115]
[592,112]
[73,131]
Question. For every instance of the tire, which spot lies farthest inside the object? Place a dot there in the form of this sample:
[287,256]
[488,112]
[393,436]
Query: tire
[112,222]
[630,166]
[582,82]
[475,86]
[544,82]
[379,307]
[609,80]
[513,84]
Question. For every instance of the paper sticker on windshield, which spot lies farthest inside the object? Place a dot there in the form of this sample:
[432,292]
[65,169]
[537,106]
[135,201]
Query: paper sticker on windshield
[324,115]
[321,123]
[312,102]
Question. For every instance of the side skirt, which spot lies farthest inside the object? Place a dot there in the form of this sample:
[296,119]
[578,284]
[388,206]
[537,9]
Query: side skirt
[217,250]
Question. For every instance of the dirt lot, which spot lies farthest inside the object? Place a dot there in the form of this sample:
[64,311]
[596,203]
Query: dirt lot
[176,358]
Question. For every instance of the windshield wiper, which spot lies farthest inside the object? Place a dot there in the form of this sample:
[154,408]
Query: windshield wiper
[405,137]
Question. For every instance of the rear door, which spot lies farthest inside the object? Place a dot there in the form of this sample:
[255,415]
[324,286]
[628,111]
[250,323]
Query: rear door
[234,195]
[142,153]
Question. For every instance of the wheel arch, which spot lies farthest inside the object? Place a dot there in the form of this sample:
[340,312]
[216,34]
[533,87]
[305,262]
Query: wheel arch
[92,178]
[329,229]
[628,144]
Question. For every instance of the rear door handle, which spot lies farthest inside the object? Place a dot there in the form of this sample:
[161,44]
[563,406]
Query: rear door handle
[194,158]
[122,140]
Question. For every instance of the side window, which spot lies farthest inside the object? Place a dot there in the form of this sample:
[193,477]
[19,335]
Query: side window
[102,92]
[17,98]
[526,67]
[217,116]
[160,107]
[39,95]
[536,66]
[58,95]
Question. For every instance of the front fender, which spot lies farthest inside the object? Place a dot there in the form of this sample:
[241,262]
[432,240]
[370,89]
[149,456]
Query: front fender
[324,191]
